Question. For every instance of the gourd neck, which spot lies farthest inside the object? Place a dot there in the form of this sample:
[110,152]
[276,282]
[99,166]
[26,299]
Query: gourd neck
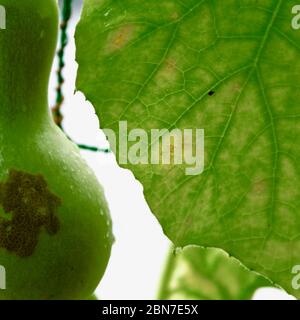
[27,47]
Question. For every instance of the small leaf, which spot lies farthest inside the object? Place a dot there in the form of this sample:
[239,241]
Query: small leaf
[230,67]
[208,274]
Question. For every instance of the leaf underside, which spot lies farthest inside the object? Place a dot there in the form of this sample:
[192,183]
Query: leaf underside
[156,63]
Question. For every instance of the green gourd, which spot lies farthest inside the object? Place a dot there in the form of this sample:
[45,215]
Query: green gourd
[55,228]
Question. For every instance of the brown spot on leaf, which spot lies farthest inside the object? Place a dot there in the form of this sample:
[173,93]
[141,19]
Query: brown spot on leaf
[170,64]
[260,186]
[174,16]
[28,207]
[119,38]
[168,71]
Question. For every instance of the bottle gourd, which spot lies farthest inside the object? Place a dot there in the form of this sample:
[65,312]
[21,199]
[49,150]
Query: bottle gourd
[55,228]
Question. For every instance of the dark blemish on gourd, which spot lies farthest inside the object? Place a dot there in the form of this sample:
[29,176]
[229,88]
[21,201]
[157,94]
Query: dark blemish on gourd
[28,207]
[211,93]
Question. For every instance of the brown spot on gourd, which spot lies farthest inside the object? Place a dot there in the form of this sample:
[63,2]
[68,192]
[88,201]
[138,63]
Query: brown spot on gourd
[28,207]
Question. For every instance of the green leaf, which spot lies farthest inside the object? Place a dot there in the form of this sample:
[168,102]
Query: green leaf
[156,64]
[207,274]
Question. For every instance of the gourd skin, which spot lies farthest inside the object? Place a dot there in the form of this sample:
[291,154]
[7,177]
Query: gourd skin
[66,258]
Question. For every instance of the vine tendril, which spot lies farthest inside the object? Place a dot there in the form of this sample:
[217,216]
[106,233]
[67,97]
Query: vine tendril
[66,13]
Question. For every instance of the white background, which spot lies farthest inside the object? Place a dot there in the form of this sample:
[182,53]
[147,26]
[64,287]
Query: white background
[140,249]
